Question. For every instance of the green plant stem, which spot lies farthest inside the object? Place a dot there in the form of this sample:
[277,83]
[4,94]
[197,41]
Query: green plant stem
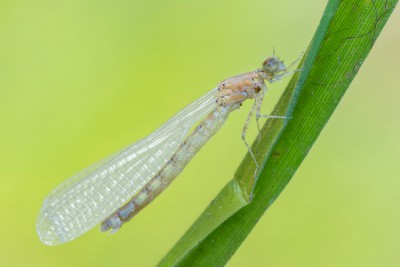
[344,37]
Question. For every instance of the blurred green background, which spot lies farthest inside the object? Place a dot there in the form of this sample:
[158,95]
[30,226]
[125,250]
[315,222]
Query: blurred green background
[82,79]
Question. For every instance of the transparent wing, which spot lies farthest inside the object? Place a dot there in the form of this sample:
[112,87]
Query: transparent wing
[87,198]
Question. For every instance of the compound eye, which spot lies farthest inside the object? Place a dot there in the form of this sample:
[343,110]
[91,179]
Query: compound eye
[271,65]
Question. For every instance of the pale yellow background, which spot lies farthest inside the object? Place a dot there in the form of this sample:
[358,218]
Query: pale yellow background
[82,79]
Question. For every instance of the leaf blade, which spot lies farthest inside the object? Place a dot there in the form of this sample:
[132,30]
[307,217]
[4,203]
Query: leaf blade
[346,33]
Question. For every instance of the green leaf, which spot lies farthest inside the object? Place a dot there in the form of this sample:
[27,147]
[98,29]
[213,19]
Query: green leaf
[344,37]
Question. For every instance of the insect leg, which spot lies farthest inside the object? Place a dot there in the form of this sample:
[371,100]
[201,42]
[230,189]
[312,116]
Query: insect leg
[246,125]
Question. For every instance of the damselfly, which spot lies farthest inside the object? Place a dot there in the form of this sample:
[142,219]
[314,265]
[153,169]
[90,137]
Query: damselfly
[115,189]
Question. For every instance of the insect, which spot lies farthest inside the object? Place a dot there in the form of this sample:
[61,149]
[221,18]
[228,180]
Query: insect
[115,189]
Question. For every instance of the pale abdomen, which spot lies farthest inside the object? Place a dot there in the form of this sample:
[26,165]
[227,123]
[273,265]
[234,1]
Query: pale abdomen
[186,151]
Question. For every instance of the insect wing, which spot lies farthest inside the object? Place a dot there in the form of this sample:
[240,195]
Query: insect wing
[87,198]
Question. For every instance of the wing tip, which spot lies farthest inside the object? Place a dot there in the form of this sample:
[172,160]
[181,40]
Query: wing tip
[49,232]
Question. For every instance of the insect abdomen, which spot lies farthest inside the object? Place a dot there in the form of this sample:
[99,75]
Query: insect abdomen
[186,151]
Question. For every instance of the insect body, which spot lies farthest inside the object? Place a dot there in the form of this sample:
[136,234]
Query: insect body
[113,190]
